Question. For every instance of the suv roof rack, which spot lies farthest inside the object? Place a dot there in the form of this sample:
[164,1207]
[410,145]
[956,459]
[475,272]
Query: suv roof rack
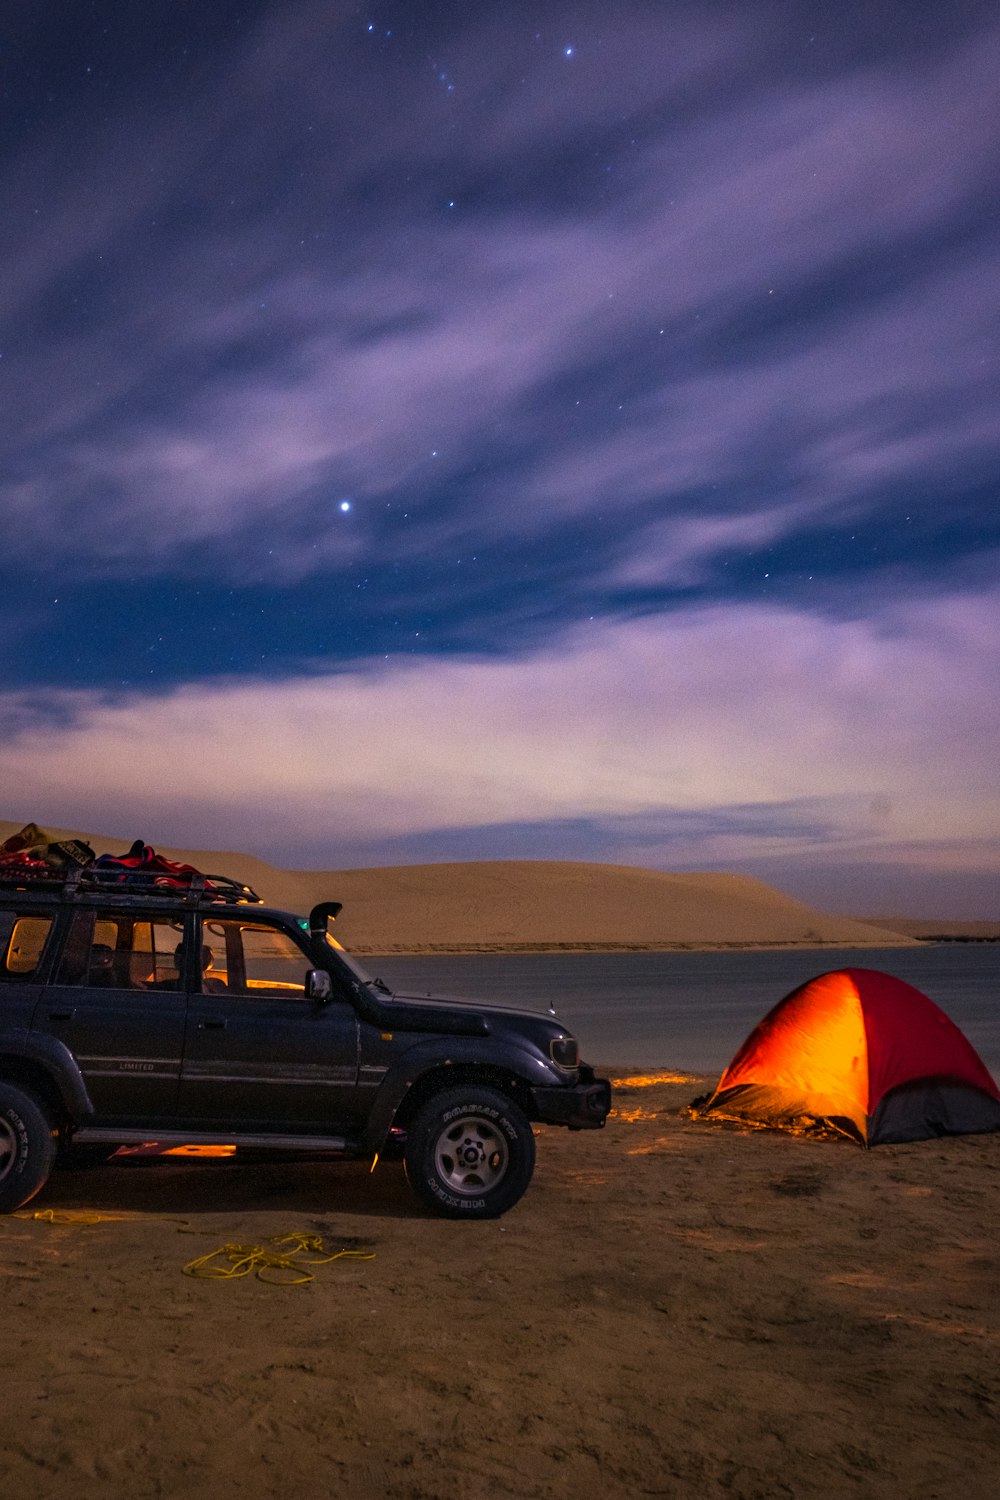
[109,881]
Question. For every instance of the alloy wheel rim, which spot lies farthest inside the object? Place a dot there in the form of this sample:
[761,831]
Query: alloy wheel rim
[471,1156]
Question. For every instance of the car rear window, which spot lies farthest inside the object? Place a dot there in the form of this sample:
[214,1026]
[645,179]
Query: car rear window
[121,952]
[22,939]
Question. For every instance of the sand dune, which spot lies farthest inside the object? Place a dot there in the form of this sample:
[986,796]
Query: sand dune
[515,905]
[546,904]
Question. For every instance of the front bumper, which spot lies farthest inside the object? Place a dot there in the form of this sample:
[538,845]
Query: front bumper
[582,1106]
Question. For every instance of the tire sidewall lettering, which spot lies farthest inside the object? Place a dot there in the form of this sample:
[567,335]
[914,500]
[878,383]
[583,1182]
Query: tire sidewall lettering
[21,1132]
[29,1143]
[467,1109]
[485,1113]
[463,1205]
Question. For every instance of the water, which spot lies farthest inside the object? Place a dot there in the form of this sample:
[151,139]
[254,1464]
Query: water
[691,1011]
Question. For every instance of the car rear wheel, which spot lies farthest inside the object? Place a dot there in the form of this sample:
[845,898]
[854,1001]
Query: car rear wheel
[470,1153]
[27,1147]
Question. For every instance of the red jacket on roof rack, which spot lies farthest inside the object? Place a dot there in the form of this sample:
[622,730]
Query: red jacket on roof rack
[143,857]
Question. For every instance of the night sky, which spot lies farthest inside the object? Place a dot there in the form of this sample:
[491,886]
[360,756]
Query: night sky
[495,430]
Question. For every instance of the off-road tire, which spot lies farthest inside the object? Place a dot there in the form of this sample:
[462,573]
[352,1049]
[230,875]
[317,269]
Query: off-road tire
[27,1147]
[469,1153]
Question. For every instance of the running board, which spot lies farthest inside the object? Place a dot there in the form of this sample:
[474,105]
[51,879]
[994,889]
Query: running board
[91,1135]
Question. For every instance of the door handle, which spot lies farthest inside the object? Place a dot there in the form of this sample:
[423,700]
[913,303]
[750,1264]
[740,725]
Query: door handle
[62,1015]
[211,1025]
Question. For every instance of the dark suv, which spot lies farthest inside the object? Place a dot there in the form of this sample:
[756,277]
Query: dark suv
[133,1009]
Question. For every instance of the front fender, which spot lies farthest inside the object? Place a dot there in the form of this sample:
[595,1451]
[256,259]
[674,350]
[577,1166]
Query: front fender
[430,1056]
[56,1061]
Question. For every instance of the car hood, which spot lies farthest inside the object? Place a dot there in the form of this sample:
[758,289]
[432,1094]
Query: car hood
[465,1015]
[467,1002]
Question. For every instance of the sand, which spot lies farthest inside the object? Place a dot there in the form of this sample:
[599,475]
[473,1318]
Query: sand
[540,904]
[676,1308]
[533,905]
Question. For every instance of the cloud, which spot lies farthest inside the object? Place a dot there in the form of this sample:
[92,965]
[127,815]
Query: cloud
[725,732]
[773,300]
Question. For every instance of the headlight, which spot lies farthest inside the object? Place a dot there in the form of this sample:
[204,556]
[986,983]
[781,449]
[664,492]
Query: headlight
[565,1050]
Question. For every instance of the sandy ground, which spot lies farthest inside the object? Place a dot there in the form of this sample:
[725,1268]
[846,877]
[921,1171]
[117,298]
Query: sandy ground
[676,1308]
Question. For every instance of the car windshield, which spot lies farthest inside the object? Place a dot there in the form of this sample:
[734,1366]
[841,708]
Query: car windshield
[357,970]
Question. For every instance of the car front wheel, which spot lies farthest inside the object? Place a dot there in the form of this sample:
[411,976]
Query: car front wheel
[470,1153]
[27,1147]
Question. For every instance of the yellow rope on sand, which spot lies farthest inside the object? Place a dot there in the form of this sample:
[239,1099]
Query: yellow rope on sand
[72,1216]
[231,1261]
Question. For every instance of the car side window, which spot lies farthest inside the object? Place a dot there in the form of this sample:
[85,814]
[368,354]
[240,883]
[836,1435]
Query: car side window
[22,938]
[107,950]
[254,958]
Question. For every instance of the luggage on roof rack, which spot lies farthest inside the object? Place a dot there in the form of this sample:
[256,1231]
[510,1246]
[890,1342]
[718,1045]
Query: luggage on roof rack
[189,886]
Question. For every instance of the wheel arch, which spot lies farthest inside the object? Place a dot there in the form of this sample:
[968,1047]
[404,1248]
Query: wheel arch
[435,1079]
[45,1066]
[24,1073]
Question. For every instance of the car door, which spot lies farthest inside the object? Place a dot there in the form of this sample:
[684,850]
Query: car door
[259,1053]
[118,1003]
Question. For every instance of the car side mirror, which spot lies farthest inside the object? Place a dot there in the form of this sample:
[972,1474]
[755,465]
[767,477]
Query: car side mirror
[319,985]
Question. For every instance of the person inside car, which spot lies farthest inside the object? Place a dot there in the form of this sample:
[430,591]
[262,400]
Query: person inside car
[210,984]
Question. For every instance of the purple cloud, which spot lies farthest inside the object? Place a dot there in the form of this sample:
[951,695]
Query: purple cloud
[237,372]
[884,731]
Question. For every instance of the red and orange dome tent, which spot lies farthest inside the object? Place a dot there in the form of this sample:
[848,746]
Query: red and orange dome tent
[863,1053]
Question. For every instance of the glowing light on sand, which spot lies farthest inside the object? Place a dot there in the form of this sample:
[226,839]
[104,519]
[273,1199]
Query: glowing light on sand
[153,1148]
[647,1080]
